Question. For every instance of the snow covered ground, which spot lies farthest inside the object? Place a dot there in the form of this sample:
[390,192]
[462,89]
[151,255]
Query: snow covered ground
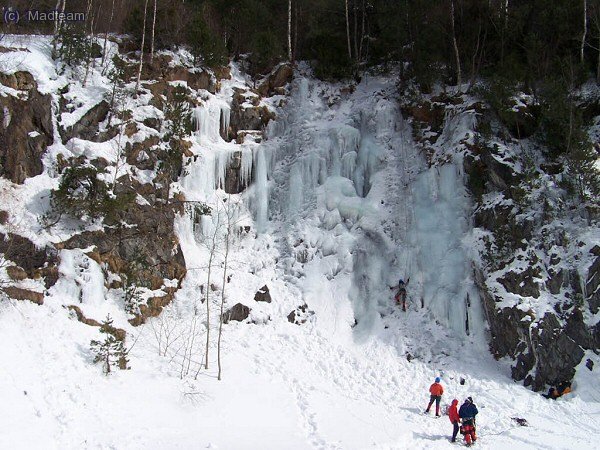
[342,205]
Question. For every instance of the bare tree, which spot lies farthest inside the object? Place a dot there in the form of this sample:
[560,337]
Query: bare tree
[153,28]
[584,34]
[89,17]
[211,242]
[58,24]
[139,75]
[112,13]
[290,30]
[230,218]
[348,31]
[455,45]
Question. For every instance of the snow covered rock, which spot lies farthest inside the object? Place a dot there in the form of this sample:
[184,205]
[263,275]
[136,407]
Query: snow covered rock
[263,295]
[87,127]
[238,313]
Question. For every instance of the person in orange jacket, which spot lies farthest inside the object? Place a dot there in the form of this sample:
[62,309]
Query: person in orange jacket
[436,390]
[454,418]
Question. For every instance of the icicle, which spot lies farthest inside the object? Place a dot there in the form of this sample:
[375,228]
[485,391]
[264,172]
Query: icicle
[222,160]
[246,166]
[224,120]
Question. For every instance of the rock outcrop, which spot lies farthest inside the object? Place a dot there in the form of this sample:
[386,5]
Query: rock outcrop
[24,294]
[87,127]
[25,128]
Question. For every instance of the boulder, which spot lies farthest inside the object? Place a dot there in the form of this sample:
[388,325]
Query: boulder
[300,315]
[238,313]
[263,295]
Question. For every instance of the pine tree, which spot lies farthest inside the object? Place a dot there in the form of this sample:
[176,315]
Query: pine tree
[110,352]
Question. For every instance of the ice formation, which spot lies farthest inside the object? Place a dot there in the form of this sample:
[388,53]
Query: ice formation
[352,187]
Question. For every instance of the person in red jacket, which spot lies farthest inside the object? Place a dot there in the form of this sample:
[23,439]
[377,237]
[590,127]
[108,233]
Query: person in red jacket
[454,418]
[436,390]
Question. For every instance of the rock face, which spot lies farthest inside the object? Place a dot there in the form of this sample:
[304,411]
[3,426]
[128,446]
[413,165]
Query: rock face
[246,114]
[530,257]
[263,295]
[281,76]
[592,284]
[238,313]
[117,246]
[32,262]
[25,128]
[87,127]
[160,68]
[525,264]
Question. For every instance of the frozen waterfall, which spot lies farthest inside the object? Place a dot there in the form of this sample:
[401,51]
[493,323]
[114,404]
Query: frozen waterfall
[354,204]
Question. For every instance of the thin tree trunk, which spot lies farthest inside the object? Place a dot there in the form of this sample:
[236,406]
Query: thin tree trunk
[474,64]
[213,249]
[290,31]
[58,25]
[295,31]
[584,34]
[598,63]
[348,32]
[139,75]
[153,28]
[112,13]
[362,34]
[208,309]
[455,45]
[227,239]
[90,17]
[355,33]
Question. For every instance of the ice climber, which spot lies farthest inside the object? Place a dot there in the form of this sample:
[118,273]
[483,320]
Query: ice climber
[436,390]
[467,413]
[400,296]
[454,418]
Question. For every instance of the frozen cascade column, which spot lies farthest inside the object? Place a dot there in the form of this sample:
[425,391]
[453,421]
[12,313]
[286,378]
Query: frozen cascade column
[296,190]
[225,119]
[261,190]
[441,207]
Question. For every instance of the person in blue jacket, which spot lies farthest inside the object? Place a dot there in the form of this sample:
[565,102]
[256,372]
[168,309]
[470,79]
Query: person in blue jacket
[467,413]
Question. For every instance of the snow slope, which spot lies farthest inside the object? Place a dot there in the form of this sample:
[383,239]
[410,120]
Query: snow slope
[342,205]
